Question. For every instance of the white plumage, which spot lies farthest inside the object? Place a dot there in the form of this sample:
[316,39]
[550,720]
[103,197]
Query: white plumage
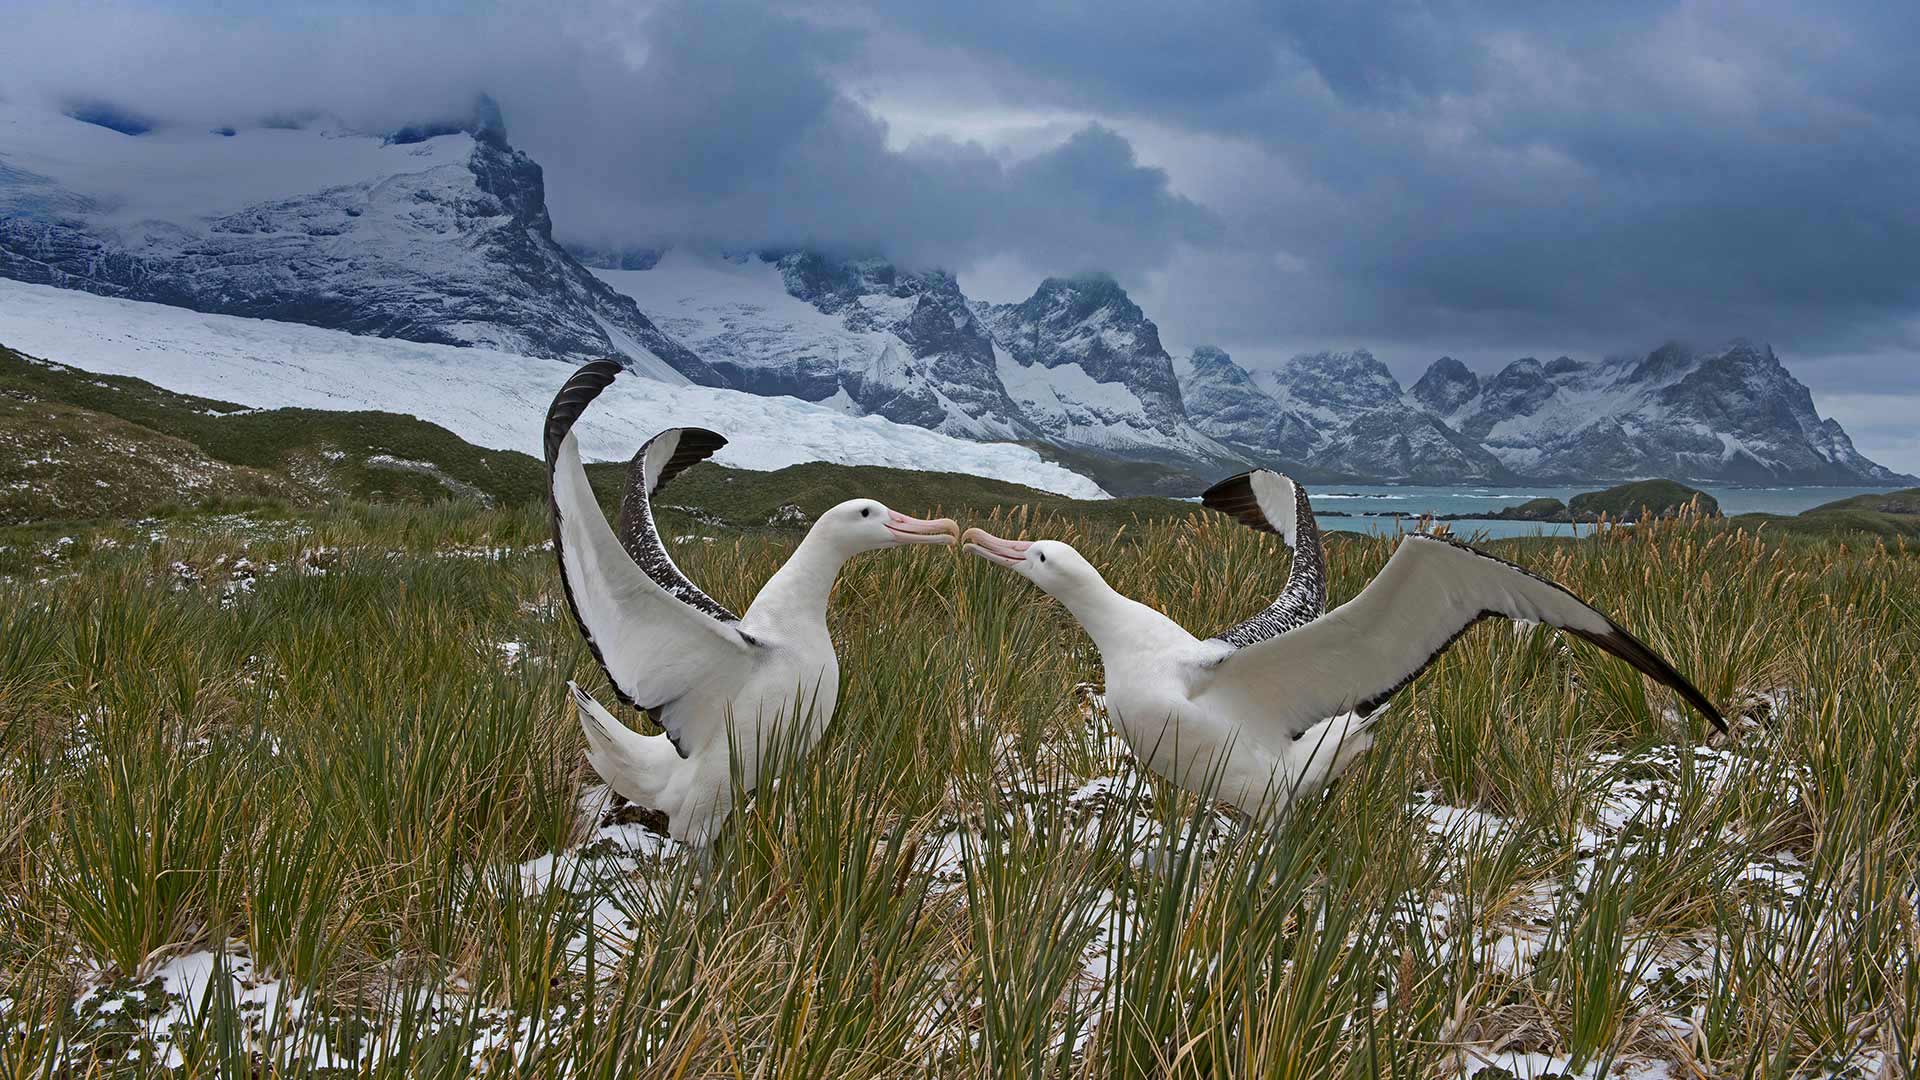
[721,686]
[1280,704]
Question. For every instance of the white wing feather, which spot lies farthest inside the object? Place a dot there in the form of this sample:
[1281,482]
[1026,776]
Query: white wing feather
[1354,657]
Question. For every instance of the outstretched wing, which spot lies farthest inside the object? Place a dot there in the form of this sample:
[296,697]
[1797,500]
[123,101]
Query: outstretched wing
[1359,654]
[1270,502]
[654,633]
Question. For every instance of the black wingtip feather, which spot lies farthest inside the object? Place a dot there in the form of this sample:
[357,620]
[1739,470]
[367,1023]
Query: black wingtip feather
[575,395]
[696,445]
[1619,642]
[1636,652]
[1234,497]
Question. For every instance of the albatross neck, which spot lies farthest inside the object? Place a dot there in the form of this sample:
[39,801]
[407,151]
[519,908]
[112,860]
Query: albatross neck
[1118,624]
[797,592]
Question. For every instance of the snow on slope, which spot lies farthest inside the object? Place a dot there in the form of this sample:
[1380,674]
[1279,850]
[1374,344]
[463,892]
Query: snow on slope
[865,335]
[445,239]
[490,398]
[165,176]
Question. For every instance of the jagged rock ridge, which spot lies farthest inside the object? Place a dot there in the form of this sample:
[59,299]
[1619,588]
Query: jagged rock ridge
[1332,413]
[1734,414]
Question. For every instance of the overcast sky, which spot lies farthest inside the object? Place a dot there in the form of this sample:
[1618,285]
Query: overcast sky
[1486,180]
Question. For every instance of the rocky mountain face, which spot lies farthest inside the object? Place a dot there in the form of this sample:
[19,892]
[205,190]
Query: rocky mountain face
[1225,403]
[1734,414]
[1087,367]
[1336,414]
[1445,387]
[1078,365]
[436,233]
[942,374]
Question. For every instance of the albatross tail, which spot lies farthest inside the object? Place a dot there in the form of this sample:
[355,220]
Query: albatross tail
[635,765]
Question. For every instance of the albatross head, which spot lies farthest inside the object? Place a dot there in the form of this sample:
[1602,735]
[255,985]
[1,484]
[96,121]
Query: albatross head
[865,525]
[1050,564]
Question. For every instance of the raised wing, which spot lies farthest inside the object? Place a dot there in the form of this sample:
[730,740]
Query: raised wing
[654,633]
[659,460]
[1359,654]
[1269,502]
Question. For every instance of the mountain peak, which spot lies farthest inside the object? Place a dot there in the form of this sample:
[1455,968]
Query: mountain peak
[1446,386]
[1081,297]
[483,120]
[1212,356]
[1330,382]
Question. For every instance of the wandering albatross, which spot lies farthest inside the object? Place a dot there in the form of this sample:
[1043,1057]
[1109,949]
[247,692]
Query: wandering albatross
[1278,705]
[670,649]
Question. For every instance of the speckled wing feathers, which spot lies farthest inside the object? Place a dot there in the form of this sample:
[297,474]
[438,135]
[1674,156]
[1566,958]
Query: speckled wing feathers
[659,460]
[1269,502]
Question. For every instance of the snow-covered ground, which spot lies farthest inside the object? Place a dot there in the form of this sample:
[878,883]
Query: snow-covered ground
[494,399]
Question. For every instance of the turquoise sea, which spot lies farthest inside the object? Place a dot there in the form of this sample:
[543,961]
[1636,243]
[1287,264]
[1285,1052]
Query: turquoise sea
[1409,502]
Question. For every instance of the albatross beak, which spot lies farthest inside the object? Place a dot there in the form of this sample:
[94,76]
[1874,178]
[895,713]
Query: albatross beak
[993,549]
[913,530]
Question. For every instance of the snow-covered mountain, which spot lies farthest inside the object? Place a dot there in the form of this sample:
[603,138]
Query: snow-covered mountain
[1226,403]
[1077,365]
[489,398]
[1087,368]
[864,337]
[1331,413]
[1734,414]
[436,233]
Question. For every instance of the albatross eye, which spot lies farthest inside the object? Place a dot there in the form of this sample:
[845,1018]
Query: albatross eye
[1043,556]
[865,510]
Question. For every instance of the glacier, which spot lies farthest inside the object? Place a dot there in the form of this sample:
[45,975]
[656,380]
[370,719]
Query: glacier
[487,397]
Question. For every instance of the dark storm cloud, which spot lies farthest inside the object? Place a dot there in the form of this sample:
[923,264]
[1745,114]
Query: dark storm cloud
[712,124]
[732,134]
[1603,175]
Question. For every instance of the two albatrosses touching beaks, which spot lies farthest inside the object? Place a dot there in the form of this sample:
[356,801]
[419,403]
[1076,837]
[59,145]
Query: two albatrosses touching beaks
[722,685]
[1275,707]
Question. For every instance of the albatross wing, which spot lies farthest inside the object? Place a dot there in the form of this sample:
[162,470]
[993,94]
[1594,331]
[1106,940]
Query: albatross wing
[1359,654]
[659,460]
[1267,501]
[653,631]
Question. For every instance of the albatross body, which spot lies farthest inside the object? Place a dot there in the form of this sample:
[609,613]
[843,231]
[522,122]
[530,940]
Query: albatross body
[721,685]
[1276,706]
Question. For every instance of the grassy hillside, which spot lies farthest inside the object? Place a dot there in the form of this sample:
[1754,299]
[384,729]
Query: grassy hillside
[1905,502]
[1889,514]
[1628,502]
[106,430]
[325,766]
[120,447]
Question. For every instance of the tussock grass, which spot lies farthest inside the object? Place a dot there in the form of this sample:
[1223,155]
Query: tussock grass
[284,795]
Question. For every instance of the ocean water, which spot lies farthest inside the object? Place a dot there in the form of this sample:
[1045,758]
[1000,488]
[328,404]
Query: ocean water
[1412,501]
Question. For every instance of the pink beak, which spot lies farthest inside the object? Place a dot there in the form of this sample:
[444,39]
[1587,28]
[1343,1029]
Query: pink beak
[913,530]
[994,549]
